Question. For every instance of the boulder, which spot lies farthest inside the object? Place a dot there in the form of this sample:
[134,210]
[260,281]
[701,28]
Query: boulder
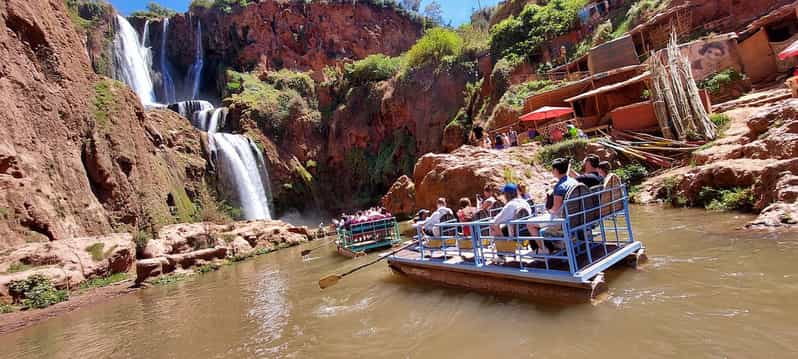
[777,216]
[150,268]
[464,172]
[401,198]
[240,247]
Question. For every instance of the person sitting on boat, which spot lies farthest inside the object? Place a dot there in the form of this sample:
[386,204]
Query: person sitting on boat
[435,218]
[591,176]
[604,169]
[466,214]
[487,201]
[559,169]
[514,204]
[523,193]
[499,142]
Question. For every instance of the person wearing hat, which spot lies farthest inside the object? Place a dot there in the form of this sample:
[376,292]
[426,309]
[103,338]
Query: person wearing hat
[514,204]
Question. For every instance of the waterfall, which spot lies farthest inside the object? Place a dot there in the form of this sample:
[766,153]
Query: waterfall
[195,72]
[187,109]
[238,161]
[145,35]
[131,61]
[210,120]
[166,75]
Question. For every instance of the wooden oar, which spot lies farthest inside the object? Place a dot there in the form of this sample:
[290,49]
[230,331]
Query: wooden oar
[333,279]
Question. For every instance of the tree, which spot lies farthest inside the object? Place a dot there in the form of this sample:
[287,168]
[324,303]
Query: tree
[433,11]
[412,5]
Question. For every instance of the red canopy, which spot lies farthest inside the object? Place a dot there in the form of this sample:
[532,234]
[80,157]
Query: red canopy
[790,51]
[546,112]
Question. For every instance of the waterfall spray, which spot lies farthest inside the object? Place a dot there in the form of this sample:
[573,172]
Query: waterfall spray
[131,64]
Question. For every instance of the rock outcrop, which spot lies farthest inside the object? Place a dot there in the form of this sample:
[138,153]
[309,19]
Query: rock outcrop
[464,172]
[80,155]
[305,36]
[401,198]
[68,262]
[759,152]
[183,246]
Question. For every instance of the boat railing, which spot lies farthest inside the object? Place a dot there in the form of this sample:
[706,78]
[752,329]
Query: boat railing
[374,230]
[594,226]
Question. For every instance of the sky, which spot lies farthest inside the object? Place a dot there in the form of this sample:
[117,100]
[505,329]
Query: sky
[456,11]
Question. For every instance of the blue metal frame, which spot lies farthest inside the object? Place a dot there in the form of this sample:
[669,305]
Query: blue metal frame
[385,230]
[604,226]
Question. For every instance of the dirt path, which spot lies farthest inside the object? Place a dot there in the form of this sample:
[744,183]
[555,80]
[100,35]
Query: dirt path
[22,319]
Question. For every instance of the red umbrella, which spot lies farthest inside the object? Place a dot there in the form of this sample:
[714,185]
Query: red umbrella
[546,112]
[790,51]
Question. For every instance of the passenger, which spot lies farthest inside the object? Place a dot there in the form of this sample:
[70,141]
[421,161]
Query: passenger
[466,214]
[508,212]
[604,169]
[486,143]
[590,176]
[522,191]
[513,138]
[435,218]
[506,140]
[499,143]
[559,170]
[487,201]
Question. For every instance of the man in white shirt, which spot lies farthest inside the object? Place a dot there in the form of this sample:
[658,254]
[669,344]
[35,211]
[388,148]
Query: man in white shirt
[435,218]
[514,204]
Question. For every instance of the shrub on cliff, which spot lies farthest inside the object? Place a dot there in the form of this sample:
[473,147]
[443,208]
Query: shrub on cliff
[298,81]
[573,148]
[523,35]
[517,94]
[436,45]
[373,68]
[154,11]
[225,6]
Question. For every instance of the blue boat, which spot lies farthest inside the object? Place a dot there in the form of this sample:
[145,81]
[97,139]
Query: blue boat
[593,235]
[357,239]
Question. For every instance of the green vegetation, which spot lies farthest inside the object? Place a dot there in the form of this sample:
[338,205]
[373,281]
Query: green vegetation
[436,46]
[523,35]
[103,281]
[734,199]
[644,8]
[516,95]
[36,291]
[141,238]
[96,251]
[184,209]
[501,73]
[272,103]
[93,12]
[18,267]
[6,308]
[225,6]
[476,39]
[602,34]
[207,268]
[169,279]
[212,210]
[717,82]
[721,121]
[570,148]
[373,68]
[632,173]
[671,187]
[154,11]
[104,101]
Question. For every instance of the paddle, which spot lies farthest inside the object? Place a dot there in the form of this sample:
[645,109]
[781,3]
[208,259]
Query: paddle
[333,279]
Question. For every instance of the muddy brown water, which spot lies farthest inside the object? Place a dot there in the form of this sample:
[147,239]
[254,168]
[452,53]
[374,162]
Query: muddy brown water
[709,291]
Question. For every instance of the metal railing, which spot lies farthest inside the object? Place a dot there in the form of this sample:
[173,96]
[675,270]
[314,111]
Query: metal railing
[370,234]
[593,226]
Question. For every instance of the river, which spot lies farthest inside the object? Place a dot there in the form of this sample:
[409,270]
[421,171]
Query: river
[709,290]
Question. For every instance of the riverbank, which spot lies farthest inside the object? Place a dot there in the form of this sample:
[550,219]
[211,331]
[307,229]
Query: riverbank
[88,265]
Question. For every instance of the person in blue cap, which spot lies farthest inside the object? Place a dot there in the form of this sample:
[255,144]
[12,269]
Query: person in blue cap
[508,213]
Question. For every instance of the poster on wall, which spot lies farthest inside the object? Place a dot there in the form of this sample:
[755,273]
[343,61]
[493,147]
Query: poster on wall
[711,55]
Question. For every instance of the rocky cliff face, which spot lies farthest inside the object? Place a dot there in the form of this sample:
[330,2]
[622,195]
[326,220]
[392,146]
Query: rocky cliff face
[303,36]
[79,154]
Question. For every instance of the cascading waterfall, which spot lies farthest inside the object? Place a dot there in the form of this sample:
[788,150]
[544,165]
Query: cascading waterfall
[210,120]
[132,65]
[237,159]
[145,35]
[195,72]
[187,109]
[166,75]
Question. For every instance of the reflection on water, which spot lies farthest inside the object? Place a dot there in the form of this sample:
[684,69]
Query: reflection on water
[709,290]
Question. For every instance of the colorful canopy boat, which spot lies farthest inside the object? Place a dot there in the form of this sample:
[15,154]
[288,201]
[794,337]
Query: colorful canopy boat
[356,239]
[593,235]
